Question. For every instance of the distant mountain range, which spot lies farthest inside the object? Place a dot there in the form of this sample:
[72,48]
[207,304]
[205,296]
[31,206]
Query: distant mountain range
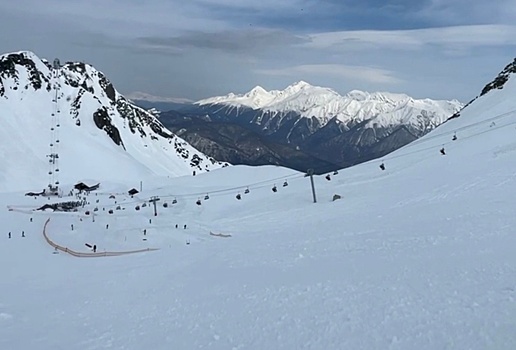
[304,126]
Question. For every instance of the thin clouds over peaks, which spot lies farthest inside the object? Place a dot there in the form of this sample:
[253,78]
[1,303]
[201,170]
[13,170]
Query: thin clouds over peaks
[368,74]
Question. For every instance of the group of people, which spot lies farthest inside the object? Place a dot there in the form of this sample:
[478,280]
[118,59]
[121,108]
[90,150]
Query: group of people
[10,235]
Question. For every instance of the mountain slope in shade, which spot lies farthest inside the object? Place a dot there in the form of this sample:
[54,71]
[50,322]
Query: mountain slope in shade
[89,120]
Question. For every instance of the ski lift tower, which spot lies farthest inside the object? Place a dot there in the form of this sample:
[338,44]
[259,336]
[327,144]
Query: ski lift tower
[53,161]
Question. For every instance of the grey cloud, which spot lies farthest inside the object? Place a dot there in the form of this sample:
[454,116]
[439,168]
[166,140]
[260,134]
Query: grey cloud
[202,48]
[242,41]
[467,11]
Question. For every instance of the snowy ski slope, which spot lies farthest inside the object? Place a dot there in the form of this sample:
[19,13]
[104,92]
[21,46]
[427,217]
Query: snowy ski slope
[419,256]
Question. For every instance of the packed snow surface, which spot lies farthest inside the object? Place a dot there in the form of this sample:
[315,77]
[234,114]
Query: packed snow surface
[419,256]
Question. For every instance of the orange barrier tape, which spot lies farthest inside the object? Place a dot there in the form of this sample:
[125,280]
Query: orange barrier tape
[89,255]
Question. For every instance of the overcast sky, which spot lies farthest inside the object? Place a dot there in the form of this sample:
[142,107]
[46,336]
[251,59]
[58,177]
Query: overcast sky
[440,49]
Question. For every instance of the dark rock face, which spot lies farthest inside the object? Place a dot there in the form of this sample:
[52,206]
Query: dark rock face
[8,70]
[108,88]
[497,83]
[501,79]
[103,122]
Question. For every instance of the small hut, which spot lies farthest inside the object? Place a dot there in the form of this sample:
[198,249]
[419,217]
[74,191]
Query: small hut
[82,187]
[133,191]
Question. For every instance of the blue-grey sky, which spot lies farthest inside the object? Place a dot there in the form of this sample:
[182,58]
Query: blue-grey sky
[440,49]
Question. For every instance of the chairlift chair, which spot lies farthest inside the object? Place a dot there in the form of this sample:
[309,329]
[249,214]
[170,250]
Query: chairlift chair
[382,166]
[328,177]
[174,201]
[274,189]
[206,197]
[246,191]
[285,184]
[238,196]
[198,202]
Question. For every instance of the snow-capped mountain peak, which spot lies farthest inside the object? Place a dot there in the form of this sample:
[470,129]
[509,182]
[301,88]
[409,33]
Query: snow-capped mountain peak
[309,101]
[73,113]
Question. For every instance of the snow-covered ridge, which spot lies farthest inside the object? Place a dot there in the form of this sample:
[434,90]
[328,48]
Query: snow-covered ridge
[380,108]
[101,134]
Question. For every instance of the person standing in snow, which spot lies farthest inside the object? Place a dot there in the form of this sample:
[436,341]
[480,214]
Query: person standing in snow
[9,234]
[94,248]
[23,233]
